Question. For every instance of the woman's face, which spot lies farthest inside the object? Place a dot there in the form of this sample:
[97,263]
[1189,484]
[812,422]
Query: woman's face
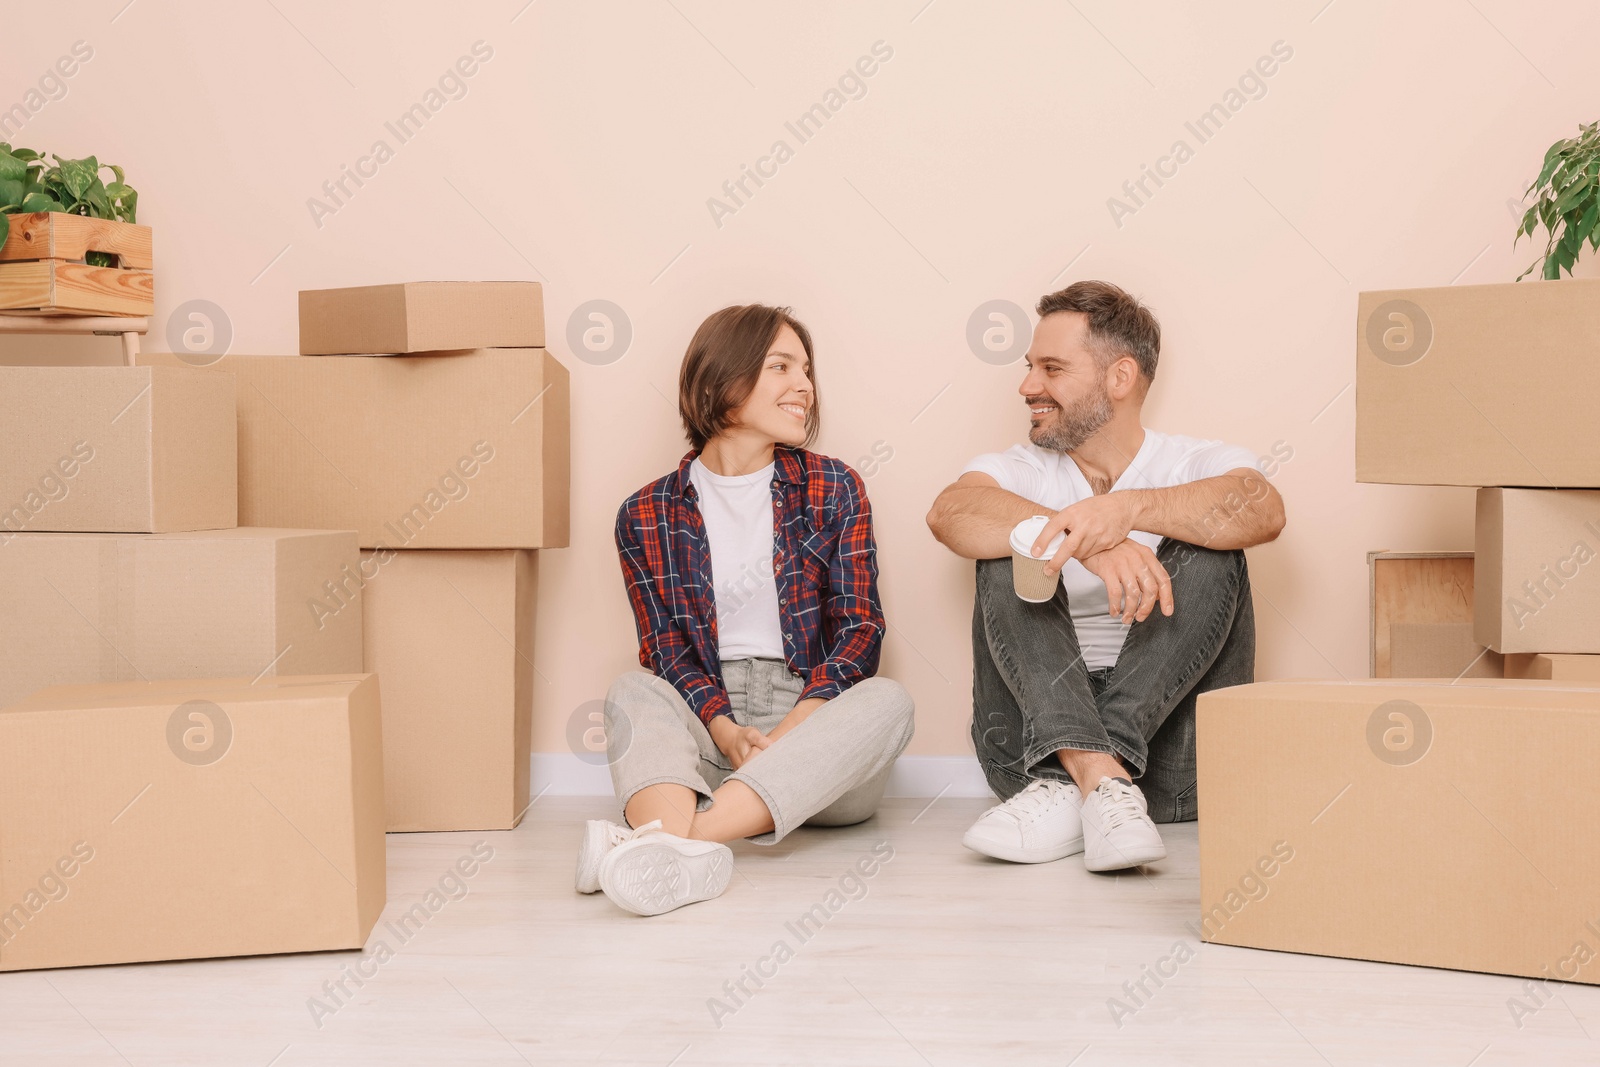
[777,406]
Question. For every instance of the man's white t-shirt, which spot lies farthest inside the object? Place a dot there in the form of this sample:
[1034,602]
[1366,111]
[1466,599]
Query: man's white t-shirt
[1054,481]
[737,510]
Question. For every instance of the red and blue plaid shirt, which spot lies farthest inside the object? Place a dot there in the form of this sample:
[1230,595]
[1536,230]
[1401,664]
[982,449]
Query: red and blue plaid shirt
[824,560]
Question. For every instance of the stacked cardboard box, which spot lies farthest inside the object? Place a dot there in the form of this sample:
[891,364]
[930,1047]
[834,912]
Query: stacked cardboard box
[432,422]
[1452,780]
[183,819]
[141,667]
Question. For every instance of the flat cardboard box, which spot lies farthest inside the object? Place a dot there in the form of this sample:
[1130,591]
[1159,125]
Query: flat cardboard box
[1479,385]
[1421,617]
[1393,821]
[1538,585]
[220,604]
[190,819]
[117,450]
[421,317]
[467,450]
[451,634]
[1579,670]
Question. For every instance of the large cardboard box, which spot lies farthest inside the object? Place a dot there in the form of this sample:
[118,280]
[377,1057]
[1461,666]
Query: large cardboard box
[1479,384]
[1421,623]
[467,450]
[219,604]
[1538,582]
[1581,670]
[179,820]
[1410,822]
[451,635]
[116,450]
[421,317]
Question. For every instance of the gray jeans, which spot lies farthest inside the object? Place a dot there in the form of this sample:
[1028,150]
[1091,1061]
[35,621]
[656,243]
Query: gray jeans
[1032,694]
[828,771]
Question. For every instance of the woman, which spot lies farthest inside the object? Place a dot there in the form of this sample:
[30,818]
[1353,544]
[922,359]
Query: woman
[752,572]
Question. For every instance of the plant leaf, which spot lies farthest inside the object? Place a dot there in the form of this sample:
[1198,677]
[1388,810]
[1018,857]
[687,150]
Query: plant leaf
[37,201]
[77,174]
[1586,225]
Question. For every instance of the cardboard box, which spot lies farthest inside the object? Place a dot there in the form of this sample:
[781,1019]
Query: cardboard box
[180,820]
[117,450]
[1579,670]
[1538,583]
[1412,822]
[421,317]
[220,604]
[1421,620]
[451,635]
[467,450]
[1479,384]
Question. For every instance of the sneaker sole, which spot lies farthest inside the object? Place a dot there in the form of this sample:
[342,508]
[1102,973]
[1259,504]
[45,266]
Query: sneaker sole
[1123,859]
[1022,855]
[651,878]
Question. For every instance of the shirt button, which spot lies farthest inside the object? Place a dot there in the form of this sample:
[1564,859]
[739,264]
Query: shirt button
[784,600]
[777,503]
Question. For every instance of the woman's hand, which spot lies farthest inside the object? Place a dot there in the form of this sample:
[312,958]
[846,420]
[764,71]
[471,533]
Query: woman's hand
[738,743]
[797,715]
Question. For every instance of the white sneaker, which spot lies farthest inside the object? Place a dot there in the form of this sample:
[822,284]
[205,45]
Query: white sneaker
[1117,830]
[654,871]
[599,838]
[1039,824]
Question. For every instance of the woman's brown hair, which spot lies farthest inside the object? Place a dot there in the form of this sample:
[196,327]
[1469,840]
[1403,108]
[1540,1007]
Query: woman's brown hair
[722,364]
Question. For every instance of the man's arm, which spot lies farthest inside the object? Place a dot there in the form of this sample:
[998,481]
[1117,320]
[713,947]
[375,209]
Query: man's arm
[974,516]
[1239,509]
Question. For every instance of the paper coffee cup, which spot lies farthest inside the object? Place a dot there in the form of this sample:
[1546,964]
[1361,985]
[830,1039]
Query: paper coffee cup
[1027,570]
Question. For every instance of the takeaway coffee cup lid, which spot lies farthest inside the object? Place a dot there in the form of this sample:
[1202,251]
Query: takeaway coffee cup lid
[1026,532]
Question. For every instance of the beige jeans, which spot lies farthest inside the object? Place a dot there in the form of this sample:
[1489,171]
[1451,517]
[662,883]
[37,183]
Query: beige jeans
[828,771]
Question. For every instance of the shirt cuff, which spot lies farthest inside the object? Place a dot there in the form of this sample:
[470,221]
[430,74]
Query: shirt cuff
[716,703]
[821,688]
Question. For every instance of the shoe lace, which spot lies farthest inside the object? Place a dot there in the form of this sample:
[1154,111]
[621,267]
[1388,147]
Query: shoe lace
[1122,805]
[620,834]
[1041,794]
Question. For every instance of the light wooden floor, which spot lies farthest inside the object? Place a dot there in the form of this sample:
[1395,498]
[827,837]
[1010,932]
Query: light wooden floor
[944,958]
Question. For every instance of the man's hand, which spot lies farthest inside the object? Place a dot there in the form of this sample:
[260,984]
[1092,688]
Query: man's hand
[1135,580]
[739,743]
[1093,525]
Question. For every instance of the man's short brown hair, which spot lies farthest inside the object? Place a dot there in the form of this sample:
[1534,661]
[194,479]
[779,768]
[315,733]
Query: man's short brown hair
[1118,324]
[723,361]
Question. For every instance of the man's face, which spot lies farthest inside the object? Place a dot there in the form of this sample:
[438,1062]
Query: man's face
[1065,388]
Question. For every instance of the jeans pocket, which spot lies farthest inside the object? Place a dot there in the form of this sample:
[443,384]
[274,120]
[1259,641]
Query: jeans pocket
[1186,805]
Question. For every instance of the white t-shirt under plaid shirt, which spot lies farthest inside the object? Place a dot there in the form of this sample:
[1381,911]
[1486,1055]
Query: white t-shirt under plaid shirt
[1053,480]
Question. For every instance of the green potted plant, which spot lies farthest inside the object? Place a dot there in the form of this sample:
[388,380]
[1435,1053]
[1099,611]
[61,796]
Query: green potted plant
[68,240]
[1568,205]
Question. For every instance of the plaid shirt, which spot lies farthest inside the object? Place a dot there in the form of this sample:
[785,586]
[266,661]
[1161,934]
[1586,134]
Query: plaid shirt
[824,561]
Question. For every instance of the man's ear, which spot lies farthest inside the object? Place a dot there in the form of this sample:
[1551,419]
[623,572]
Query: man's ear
[1122,378]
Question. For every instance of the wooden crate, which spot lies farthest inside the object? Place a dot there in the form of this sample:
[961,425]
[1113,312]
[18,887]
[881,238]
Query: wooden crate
[42,270]
[1421,604]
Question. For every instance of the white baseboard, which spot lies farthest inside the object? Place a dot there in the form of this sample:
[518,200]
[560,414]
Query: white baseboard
[563,774]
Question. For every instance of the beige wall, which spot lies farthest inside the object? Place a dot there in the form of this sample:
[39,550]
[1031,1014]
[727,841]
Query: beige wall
[977,166]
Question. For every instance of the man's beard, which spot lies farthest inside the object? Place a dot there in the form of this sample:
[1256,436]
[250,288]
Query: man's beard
[1074,425]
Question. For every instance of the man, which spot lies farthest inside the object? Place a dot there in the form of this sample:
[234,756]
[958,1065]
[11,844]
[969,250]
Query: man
[1076,697]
